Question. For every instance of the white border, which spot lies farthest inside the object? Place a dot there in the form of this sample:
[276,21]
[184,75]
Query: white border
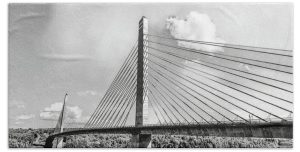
[4,65]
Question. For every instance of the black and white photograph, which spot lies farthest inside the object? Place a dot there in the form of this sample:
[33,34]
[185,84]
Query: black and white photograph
[150,75]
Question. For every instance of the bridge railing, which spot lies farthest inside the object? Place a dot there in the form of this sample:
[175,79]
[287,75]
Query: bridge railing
[251,121]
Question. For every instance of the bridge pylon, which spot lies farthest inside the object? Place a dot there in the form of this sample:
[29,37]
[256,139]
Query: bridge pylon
[58,129]
[59,125]
[139,139]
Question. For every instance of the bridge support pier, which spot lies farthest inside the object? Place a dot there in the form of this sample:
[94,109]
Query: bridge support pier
[141,140]
[49,142]
[60,142]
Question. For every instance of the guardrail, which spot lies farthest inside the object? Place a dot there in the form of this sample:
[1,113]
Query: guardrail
[251,121]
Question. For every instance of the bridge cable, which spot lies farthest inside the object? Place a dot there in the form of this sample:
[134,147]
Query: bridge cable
[198,99]
[213,55]
[184,102]
[112,92]
[185,66]
[158,72]
[164,109]
[112,95]
[214,102]
[116,91]
[149,100]
[191,89]
[172,54]
[118,116]
[156,90]
[219,91]
[202,96]
[158,106]
[230,44]
[243,92]
[223,45]
[111,86]
[125,120]
[115,114]
[118,95]
[177,99]
[127,106]
[115,79]
[128,97]
[155,112]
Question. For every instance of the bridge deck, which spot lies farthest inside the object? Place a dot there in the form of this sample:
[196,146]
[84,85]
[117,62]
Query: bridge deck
[194,129]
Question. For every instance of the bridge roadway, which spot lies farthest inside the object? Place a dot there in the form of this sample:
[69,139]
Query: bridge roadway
[280,129]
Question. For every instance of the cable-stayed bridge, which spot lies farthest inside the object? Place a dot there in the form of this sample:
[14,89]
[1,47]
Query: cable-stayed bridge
[176,86]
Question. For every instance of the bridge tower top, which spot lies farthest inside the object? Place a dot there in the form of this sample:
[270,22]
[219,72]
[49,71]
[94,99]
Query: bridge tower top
[59,126]
[141,93]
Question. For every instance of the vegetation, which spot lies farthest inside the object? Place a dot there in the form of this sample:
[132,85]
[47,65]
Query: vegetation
[98,141]
[25,138]
[179,141]
[28,138]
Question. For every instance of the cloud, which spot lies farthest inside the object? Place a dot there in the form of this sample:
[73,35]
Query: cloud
[25,117]
[86,93]
[13,29]
[80,120]
[74,112]
[53,111]
[55,107]
[65,57]
[16,104]
[197,27]
[244,66]
[29,16]
[19,122]
[49,115]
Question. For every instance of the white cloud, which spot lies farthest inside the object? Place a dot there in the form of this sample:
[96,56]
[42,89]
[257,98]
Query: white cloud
[19,122]
[54,107]
[65,57]
[49,115]
[87,92]
[53,111]
[74,112]
[197,27]
[16,104]
[80,120]
[25,117]
[244,66]
[28,16]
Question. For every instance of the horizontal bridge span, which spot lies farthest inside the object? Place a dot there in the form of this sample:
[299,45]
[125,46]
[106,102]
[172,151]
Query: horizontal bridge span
[260,130]
[180,129]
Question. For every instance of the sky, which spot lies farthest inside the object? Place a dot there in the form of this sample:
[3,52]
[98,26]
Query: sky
[78,48]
